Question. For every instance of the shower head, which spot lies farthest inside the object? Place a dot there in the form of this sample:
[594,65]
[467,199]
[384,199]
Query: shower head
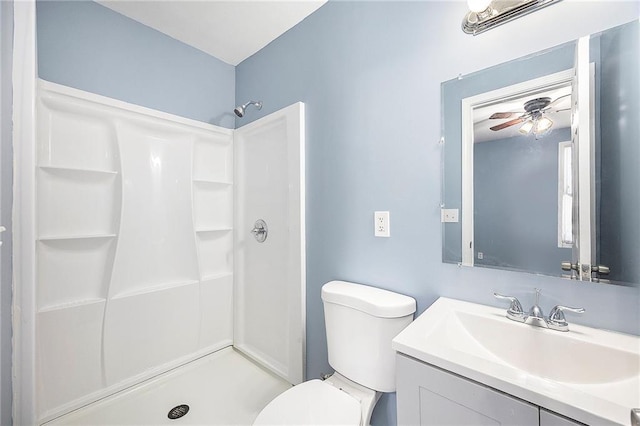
[240,110]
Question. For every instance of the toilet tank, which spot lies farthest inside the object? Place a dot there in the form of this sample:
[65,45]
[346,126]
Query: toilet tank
[361,321]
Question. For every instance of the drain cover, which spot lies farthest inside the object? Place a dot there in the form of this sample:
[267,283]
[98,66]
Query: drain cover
[178,411]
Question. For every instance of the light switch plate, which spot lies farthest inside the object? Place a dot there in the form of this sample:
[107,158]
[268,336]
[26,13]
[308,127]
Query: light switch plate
[449,215]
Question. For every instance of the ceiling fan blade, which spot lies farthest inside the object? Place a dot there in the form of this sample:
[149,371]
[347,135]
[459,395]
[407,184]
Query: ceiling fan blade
[556,101]
[507,124]
[501,115]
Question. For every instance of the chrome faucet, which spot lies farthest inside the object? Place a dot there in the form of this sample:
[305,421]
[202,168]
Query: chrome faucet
[536,316]
[515,311]
[555,321]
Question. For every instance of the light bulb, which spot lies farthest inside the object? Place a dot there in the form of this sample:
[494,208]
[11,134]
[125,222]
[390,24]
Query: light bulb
[543,125]
[478,6]
[525,129]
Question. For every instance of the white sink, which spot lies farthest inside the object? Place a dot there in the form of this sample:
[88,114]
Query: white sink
[587,374]
[550,354]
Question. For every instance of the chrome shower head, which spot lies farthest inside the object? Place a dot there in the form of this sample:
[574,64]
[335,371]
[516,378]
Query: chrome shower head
[239,111]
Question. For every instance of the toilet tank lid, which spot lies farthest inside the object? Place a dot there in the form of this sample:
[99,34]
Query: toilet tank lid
[374,301]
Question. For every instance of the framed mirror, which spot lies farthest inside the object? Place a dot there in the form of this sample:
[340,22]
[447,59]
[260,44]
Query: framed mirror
[542,162]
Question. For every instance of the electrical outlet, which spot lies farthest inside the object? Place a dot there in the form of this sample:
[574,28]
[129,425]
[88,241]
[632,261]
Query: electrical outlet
[381,224]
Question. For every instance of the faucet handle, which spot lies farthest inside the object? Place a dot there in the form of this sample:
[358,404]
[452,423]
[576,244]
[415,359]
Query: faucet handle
[556,317]
[515,311]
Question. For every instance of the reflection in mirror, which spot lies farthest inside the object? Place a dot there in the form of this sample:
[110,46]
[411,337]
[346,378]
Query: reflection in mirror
[511,169]
[516,149]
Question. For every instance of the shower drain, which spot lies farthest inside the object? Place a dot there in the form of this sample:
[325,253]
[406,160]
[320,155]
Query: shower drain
[178,411]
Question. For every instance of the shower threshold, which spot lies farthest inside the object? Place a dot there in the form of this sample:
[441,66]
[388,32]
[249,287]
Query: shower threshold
[222,388]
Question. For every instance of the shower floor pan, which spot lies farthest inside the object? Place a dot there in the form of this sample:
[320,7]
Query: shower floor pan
[223,388]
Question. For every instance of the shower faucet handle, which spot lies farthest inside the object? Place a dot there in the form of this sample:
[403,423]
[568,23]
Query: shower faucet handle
[515,311]
[260,230]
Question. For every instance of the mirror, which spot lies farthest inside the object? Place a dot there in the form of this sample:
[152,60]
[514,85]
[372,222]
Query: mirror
[542,166]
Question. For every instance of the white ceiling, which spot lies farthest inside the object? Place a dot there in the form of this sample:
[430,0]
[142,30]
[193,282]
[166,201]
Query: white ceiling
[230,30]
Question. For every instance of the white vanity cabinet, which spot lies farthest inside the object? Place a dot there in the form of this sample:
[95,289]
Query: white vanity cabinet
[428,395]
[549,418]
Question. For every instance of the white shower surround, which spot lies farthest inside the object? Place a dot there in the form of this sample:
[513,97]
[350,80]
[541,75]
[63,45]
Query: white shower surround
[134,244]
[134,231]
[269,315]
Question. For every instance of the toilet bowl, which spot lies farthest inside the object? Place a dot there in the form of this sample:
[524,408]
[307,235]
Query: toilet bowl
[361,321]
[333,401]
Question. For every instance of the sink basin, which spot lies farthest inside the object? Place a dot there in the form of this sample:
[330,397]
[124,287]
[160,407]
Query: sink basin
[559,356]
[587,374]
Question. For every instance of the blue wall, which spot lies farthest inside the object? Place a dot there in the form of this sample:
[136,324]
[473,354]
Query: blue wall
[88,46]
[370,74]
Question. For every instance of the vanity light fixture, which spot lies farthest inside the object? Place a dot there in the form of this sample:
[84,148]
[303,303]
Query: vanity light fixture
[486,14]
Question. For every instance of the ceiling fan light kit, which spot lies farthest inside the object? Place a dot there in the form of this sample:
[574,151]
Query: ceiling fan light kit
[486,14]
[535,118]
[543,125]
[526,128]
[540,126]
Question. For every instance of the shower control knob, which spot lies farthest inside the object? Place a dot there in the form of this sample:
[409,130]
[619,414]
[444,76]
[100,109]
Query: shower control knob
[260,230]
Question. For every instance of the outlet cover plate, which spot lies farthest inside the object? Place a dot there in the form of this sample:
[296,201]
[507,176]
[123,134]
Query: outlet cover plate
[381,224]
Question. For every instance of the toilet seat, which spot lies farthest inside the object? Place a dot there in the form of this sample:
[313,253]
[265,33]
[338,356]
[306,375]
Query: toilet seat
[311,403]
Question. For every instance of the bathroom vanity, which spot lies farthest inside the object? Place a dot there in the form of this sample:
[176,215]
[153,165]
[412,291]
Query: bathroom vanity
[428,395]
[464,363]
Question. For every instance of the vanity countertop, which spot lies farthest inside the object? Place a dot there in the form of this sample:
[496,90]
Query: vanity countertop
[587,374]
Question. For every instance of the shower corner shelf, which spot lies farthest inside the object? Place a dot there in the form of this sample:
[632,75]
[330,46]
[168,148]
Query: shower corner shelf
[214,229]
[70,305]
[78,170]
[75,237]
[208,181]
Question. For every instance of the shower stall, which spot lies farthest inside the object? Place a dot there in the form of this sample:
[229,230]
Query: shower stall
[135,252]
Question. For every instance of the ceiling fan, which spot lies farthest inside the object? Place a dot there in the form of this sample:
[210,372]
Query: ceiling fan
[535,117]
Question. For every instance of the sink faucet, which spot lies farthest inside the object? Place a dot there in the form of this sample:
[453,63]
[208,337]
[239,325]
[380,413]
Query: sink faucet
[536,316]
[555,320]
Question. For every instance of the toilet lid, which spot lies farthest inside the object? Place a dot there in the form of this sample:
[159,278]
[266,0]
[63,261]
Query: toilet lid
[311,403]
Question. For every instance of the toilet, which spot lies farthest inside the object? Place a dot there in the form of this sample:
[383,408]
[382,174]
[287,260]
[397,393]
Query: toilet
[361,321]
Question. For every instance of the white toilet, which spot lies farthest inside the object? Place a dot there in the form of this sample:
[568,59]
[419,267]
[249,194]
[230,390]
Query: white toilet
[361,321]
